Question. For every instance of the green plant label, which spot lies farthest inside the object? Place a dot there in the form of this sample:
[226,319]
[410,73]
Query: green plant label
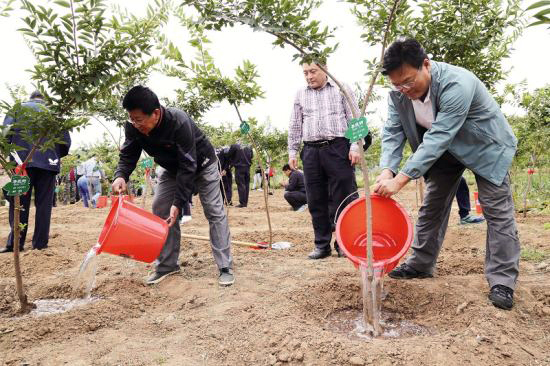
[147,163]
[245,128]
[18,185]
[357,129]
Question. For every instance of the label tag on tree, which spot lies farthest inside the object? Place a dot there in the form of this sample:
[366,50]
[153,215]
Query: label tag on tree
[245,128]
[19,185]
[357,129]
[147,163]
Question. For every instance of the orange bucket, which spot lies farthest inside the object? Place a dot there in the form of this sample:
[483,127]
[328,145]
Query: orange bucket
[132,232]
[101,202]
[392,232]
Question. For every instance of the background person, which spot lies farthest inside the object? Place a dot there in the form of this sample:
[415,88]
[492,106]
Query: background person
[320,119]
[295,189]
[82,188]
[463,201]
[241,159]
[42,171]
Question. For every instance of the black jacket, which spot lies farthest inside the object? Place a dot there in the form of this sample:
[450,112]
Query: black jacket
[176,144]
[241,157]
[47,160]
[225,161]
[296,182]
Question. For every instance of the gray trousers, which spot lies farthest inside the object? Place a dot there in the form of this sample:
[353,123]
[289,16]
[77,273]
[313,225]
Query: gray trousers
[207,183]
[502,243]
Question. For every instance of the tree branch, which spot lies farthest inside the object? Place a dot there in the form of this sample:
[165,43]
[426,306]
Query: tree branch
[117,143]
[384,43]
[74,36]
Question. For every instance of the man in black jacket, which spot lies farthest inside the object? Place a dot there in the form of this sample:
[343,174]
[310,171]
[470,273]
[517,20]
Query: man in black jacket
[182,149]
[226,183]
[295,189]
[241,159]
[42,170]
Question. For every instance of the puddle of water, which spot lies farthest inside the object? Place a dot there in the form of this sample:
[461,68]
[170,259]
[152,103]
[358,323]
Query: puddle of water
[85,280]
[350,323]
[56,306]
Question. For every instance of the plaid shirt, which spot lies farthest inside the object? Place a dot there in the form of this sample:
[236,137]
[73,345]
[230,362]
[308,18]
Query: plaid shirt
[319,114]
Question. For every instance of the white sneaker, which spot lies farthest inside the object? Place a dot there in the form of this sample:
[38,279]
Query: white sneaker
[302,208]
[186,218]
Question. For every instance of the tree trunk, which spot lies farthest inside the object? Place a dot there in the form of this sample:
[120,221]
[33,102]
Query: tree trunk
[25,305]
[529,177]
[263,178]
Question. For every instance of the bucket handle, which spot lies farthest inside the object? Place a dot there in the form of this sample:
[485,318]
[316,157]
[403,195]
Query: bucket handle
[340,205]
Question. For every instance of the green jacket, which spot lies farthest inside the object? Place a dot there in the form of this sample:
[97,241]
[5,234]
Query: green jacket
[468,123]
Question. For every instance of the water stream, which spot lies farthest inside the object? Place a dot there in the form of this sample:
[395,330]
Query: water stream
[85,280]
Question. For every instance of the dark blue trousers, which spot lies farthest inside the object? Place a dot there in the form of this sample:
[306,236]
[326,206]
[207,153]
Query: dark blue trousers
[43,184]
[227,186]
[463,198]
[329,179]
[242,177]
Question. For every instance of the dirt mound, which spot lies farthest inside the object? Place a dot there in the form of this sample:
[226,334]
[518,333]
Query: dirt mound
[283,308]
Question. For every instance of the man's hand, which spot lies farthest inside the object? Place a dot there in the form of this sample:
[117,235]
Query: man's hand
[386,174]
[354,157]
[173,218]
[284,184]
[293,162]
[223,173]
[119,185]
[389,187]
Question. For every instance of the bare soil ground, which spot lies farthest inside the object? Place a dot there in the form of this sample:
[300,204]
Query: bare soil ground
[283,308]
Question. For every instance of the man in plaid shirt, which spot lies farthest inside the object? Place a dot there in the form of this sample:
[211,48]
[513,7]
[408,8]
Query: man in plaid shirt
[320,119]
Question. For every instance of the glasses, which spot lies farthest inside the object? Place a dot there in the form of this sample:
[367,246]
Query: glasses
[406,86]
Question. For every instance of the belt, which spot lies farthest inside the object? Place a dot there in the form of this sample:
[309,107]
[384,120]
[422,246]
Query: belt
[322,143]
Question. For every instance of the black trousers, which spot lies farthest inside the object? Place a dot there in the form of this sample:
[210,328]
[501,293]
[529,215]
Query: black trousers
[330,181]
[43,184]
[242,176]
[296,199]
[463,198]
[227,186]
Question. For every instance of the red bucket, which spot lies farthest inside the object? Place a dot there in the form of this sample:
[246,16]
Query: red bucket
[101,202]
[392,232]
[132,232]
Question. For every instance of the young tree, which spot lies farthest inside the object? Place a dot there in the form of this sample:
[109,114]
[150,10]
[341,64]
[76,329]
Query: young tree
[477,34]
[80,59]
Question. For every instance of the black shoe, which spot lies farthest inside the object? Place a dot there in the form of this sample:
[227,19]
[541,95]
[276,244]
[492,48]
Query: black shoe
[240,206]
[405,272]
[9,250]
[502,297]
[339,251]
[319,254]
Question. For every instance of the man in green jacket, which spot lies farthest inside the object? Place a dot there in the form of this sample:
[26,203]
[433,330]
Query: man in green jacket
[452,123]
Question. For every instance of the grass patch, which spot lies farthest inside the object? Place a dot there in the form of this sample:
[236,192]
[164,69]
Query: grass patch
[534,255]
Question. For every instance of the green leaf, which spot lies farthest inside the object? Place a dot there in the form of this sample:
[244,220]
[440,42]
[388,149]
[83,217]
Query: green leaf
[63,3]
